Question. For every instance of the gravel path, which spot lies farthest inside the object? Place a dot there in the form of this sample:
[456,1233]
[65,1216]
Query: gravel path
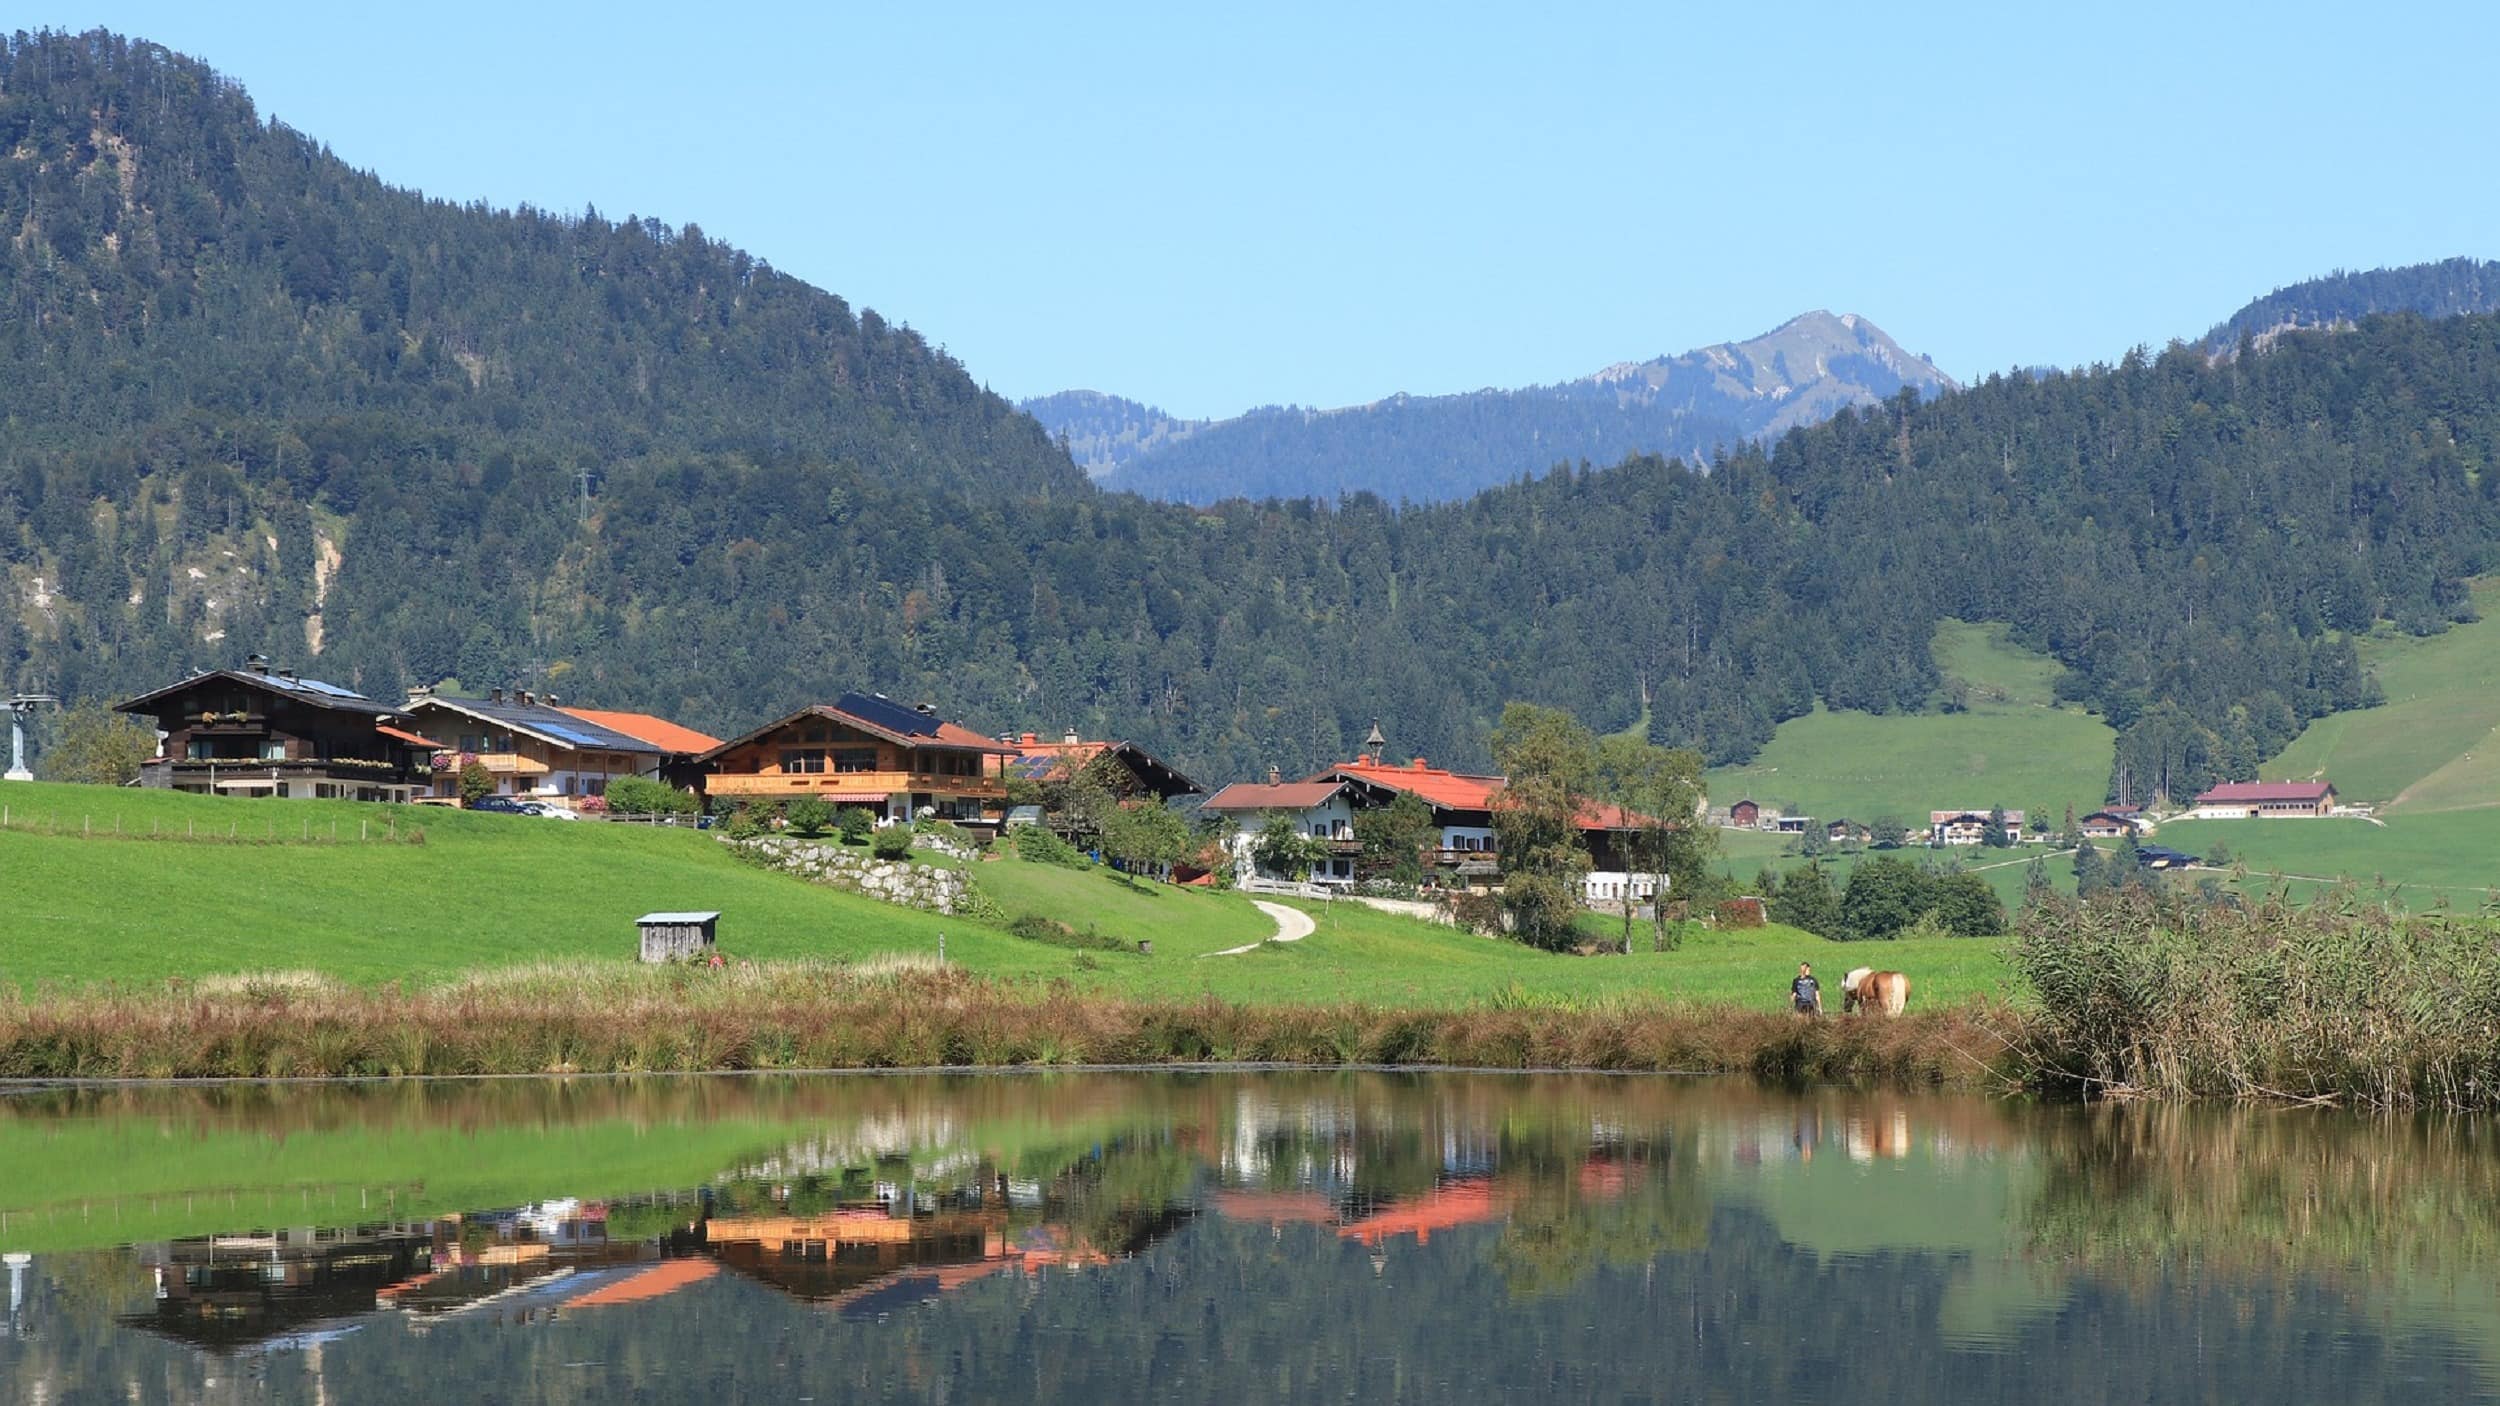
[1292,925]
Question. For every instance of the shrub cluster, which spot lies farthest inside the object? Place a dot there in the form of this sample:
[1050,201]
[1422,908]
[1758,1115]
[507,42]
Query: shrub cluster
[1033,927]
[1036,844]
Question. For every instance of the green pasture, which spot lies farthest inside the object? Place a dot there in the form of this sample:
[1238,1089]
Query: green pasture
[2431,745]
[2012,747]
[2426,856]
[484,891]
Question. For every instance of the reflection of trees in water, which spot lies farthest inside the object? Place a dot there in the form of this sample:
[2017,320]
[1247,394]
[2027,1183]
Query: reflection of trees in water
[2296,1190]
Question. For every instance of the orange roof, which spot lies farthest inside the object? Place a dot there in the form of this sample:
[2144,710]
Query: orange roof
[1274,1207]
[1449,790]
[1292,795]
[409,737]
[1455,1204]
[659,732]
[666,1277]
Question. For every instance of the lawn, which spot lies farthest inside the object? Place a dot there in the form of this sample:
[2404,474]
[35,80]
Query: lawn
[2413,750]
[2427,855]
[484,891]
[2013,747]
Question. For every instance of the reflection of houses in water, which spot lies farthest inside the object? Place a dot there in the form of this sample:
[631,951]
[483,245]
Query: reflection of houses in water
[290,1288]
[864,1261]
[520,1264]
[1464,1201]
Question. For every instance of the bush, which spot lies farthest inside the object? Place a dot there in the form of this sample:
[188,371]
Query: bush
[892,842]
[1741,913]
[1038,845]
[856,825]
[808,816]
[742,824]
[640,795]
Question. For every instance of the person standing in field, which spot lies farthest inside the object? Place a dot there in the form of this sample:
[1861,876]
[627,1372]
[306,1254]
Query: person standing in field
[1805,991]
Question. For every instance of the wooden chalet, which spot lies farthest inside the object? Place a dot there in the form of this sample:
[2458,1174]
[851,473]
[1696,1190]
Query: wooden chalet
[1129,770]
[263,731]
[2111,823]
[1970,827]
[530,746]
[865,749]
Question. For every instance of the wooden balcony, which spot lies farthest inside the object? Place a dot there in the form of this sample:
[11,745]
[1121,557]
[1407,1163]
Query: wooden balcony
[507,764]
[858,783]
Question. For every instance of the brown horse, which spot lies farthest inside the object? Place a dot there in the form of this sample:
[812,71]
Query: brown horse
[1867,990]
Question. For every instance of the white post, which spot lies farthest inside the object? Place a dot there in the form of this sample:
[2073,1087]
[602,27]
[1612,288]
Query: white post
[17,746]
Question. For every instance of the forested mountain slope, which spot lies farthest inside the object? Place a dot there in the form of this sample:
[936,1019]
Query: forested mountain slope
[2443,289]
[1429,449]
[204,459]
[1102,432]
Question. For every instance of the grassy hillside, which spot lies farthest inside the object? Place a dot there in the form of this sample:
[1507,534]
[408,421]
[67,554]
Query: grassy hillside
[1743,854]
[484,891]
[2431,746]
[2427,855]
[2013,746]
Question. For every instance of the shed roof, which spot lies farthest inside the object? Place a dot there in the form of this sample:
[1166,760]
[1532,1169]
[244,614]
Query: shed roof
[677,918]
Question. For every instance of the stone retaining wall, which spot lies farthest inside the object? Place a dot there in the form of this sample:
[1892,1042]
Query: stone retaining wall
[834,865]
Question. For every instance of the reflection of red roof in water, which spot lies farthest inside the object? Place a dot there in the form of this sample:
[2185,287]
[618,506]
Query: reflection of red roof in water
[666,1277]
[1274,1207]
[1469,1202]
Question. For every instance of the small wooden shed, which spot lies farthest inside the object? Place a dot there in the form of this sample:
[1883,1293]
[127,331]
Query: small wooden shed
[669,936]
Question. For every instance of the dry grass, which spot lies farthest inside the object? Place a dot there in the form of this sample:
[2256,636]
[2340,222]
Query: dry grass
[2340,1000]
[905,1013]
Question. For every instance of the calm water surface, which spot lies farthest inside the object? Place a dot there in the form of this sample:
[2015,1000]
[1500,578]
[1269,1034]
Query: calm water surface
[1233,1237]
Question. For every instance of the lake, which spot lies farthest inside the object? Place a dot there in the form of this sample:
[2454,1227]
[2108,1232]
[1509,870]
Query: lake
[1230,1236]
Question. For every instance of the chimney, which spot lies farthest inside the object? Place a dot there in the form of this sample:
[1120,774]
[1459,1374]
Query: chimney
[1071,739]
[1030,739]
[1275,777]
[287,674]
[494,695]
[927,710]
[420,692]
[256,663]
[1418,764]
[527,700]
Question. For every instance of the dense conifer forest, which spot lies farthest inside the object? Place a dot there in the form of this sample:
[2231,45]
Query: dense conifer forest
[254,400]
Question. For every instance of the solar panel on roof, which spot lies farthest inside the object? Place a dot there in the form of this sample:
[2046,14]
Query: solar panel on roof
[886,713]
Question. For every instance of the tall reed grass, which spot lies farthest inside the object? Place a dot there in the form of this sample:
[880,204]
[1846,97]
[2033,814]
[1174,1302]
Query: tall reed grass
[2341,999]
[600,1017]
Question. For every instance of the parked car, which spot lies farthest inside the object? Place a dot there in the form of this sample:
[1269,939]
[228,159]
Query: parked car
[556,812]
[501,805]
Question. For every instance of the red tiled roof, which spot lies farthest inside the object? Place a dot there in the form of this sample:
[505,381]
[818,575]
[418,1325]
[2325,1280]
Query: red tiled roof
[1449,790]
[1291,795]
[659,732]
[2233,792]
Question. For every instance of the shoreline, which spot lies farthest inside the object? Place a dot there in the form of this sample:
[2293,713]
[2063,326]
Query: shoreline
[832,1021]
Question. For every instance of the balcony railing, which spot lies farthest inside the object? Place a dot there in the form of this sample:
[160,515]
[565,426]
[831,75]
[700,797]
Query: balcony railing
[882,783]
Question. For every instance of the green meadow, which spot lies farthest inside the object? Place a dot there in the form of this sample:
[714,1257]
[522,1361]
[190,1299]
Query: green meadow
[2432,745]
[2013,746]
[484,891]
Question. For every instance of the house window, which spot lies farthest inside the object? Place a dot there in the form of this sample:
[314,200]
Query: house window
[848,760]
[802,761]
[273,750]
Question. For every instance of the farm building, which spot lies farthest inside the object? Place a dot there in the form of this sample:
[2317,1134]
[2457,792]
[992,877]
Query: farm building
[2266,800]
[1744,815]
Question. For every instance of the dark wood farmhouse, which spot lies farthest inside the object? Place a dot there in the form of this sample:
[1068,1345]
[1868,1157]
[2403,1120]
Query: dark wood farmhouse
[865,749]
[259,731]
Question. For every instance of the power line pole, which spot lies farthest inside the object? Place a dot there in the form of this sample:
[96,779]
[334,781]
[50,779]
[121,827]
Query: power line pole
[583,477]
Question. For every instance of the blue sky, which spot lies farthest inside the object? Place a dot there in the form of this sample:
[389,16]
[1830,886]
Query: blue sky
[1212,208]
